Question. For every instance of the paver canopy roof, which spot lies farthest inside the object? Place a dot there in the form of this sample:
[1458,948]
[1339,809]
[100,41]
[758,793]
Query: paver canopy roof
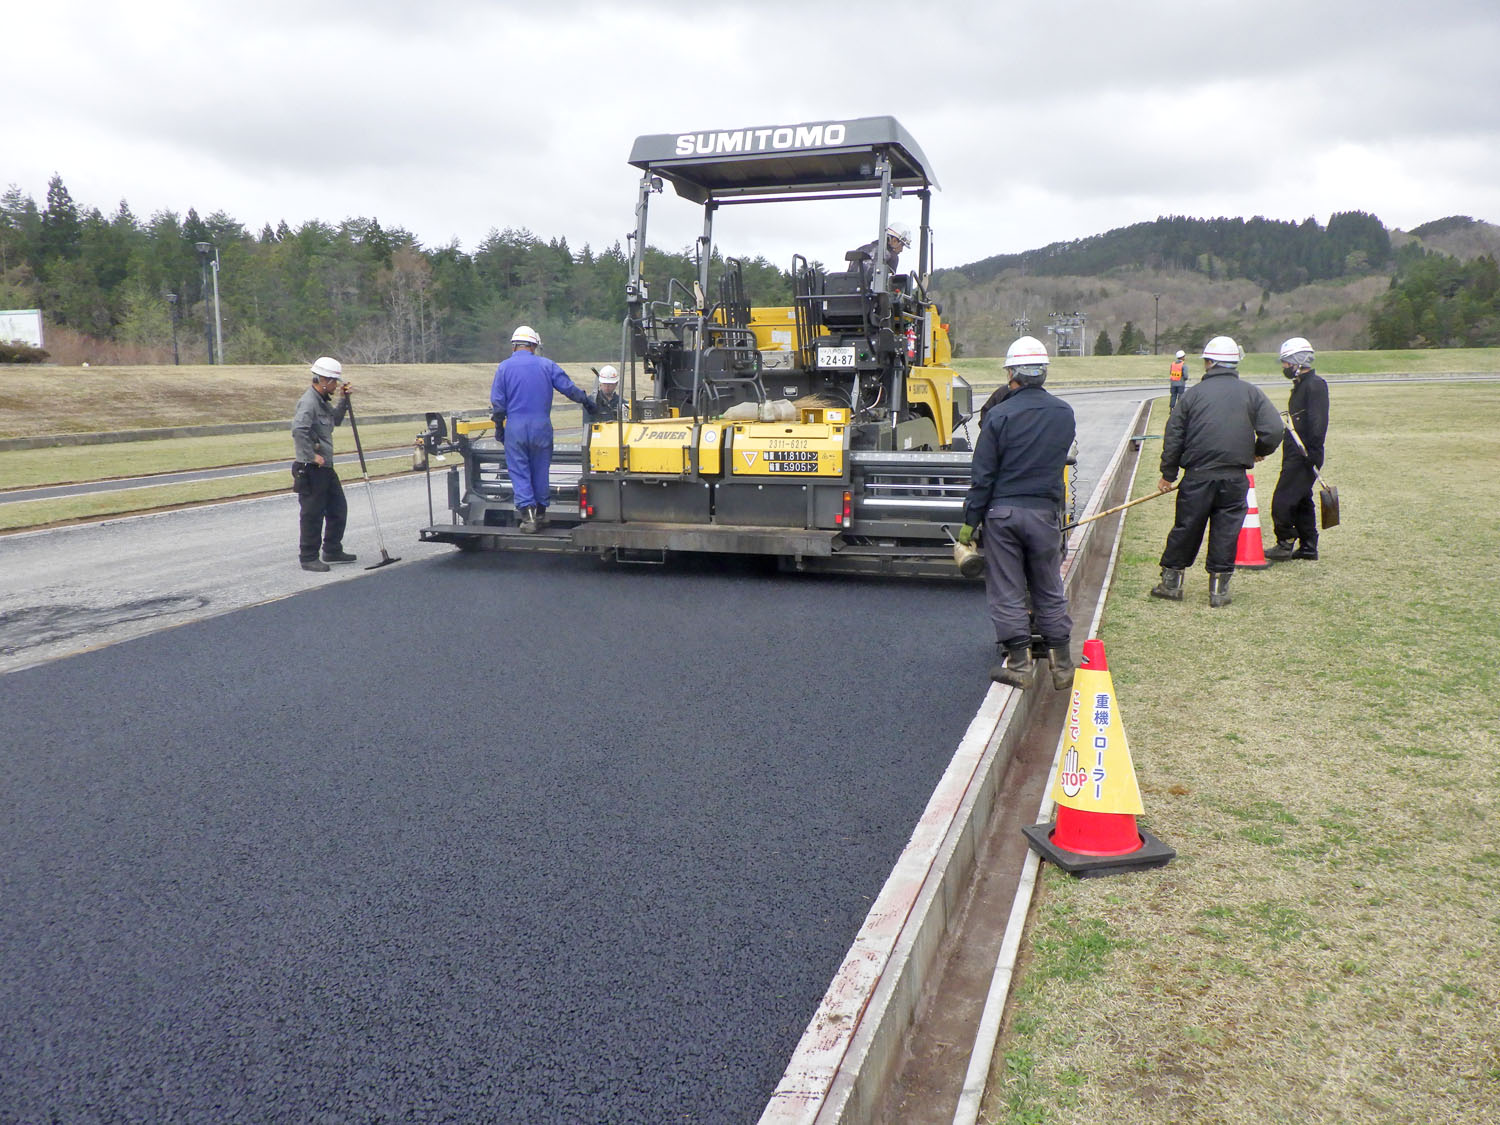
[769,159]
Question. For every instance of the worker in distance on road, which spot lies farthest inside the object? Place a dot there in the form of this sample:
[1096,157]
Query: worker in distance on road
[1293,514]
[1222,426]
[607,405]
[324,511]
[521,405]
[1016,493]
[1177,373]
[897,238]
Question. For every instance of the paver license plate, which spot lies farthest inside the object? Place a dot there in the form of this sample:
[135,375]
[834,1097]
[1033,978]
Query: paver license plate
[836,357]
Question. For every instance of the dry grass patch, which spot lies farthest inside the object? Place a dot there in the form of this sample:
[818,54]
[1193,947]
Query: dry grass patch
[1324,756]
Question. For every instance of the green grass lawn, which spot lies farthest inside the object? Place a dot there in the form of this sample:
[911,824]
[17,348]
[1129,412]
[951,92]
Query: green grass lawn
[1324,755]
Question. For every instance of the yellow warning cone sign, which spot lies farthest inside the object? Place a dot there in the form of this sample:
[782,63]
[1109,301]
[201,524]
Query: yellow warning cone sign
[1095,789]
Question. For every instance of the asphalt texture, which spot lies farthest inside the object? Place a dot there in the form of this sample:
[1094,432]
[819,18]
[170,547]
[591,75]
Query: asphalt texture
[478,837]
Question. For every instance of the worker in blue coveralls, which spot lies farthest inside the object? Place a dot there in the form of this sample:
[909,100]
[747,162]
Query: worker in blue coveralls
[521,402]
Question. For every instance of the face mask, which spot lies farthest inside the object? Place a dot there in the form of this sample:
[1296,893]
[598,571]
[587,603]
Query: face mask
[1289,372]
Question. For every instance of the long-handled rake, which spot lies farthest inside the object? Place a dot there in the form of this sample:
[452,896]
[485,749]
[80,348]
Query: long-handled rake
[385,557]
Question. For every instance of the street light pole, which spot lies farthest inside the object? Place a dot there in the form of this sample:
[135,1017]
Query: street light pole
[218,320]
[172,304]
[203,249]
[1156,325]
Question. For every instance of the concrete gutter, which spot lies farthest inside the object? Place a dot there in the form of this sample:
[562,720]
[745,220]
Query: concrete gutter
[847,1056]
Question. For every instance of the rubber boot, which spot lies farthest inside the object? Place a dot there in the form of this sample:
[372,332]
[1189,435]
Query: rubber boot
[541,517]
[337,555]
[1308,550]
[1282,551]
[1170,586]
[528,521]
[1218,590]
[1015,668]
[1062,666]
[314,565]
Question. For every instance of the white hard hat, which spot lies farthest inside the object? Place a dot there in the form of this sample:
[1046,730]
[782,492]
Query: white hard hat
[1297,350]
[1181,355]
[1026,352]
[608,374]
[526,335]
[1221,349]
[326,367]
[899,231]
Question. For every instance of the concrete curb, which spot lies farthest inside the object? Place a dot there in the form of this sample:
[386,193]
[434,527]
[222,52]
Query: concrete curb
[843,1064]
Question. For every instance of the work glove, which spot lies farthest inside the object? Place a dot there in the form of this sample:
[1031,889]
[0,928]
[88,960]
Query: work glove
[499,420]
[966,534]
[591,404]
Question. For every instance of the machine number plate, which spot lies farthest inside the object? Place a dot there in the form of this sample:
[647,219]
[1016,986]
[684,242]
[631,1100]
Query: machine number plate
[836,357]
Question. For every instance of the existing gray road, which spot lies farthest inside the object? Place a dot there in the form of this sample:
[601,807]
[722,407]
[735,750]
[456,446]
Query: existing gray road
[472,837]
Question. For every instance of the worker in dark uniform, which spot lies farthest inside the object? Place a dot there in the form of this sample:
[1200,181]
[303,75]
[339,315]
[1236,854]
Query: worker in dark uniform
[321,496]
[1016,493]
[607,404]
[1177,374]
[897,238]
[1293,514]
[521,405]
[1221,427]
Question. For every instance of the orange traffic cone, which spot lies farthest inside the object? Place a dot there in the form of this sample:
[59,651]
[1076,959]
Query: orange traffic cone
[1095,832]
[1250,554]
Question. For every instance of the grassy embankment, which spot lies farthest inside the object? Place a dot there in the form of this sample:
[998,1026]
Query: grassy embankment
[72,400]
[1324,755]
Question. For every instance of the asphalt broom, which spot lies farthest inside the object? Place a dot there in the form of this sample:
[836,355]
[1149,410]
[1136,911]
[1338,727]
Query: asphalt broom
[385,557]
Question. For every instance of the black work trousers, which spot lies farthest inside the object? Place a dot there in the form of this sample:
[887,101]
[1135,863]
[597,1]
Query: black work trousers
[1023,552]
[324,511]
[1217,504]
[1293,514]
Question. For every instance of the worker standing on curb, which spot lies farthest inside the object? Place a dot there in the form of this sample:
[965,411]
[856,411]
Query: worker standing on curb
[324,511]
[521,401]
[1016,493]
[1178,375]
[1293,514]
[1221,428]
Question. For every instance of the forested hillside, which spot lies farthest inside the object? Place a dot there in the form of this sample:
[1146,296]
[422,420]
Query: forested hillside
[112,286]
[371,294]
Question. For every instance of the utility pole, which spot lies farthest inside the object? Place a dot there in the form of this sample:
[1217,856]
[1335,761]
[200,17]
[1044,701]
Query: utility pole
[204,250]
[172,304]
[1156,327]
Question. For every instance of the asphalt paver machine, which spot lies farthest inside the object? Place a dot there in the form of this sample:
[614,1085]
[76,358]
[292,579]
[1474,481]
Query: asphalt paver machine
[825,433]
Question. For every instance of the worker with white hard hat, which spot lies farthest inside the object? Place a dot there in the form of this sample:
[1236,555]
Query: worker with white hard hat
[1293,514]
[1015,496]
[1177,374]
[521,405]
[1222,426]
[324,512]
[606,395]
[897,238]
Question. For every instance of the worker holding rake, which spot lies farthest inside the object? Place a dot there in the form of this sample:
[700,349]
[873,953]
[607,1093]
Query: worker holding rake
[324,511]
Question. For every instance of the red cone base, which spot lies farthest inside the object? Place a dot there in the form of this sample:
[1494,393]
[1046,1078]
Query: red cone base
[1095,833]
[1148,851]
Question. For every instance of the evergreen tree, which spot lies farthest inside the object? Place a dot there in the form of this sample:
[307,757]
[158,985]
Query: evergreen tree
[1102,345]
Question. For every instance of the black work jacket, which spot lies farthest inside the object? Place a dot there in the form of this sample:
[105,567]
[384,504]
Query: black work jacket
[1308,406]
[1221,425]
[1023,446]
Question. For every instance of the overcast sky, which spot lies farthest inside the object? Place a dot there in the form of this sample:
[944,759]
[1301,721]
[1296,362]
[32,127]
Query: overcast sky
[1043,120]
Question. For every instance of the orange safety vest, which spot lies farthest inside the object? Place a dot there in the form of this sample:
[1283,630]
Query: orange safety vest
[1177,371]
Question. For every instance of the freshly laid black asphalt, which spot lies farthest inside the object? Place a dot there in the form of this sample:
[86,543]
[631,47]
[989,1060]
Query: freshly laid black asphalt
[485,838]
